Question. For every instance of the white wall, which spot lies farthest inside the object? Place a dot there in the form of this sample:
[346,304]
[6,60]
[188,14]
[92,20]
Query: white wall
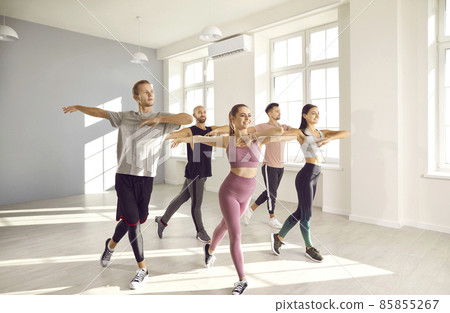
[374,112]
[389,81]
[42,150]
[338,200]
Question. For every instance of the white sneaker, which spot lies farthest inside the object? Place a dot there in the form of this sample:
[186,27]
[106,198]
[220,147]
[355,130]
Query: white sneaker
[275,223]
[248,215]
[139,279]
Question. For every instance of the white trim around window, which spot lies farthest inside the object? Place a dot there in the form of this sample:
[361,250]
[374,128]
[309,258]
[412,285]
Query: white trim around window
[443,133]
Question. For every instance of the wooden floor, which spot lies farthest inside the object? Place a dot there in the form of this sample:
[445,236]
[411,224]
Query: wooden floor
[53,247]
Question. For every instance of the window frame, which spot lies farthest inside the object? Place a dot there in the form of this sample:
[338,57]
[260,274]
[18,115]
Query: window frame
[289,71]
[205,84]
[440,131]
[325,66]
[308,43]
[441,110]
[305,69]
[285,38]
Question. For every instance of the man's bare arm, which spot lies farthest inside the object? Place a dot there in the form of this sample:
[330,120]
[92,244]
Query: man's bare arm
[185,132]
[95,112]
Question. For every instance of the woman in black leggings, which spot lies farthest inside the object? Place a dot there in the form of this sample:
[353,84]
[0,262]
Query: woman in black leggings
[310,139]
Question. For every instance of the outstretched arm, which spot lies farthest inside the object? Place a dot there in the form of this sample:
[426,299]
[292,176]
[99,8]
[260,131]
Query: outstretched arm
[95,112]
[218,130]
[288,135]
[332,135]
[273,131]
[178,119]
[268,135]
[263,137]
[177,141]
[225,129]
[185,132]
[216,141]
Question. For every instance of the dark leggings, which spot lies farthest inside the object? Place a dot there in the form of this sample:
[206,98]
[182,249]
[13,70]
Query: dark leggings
[134,235]
[192,189]
[272,178]
[305,183]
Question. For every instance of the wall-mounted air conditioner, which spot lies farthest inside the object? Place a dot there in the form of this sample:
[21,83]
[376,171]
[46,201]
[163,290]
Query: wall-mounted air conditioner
[240,43]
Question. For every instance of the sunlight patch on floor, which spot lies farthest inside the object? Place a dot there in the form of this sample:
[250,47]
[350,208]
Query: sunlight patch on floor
[36,292]
[149,254]
[84,217]
[259,275]
[275,272]
[66,209]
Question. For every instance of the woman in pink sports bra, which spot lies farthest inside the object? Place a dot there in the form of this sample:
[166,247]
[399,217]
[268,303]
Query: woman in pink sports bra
[243,153]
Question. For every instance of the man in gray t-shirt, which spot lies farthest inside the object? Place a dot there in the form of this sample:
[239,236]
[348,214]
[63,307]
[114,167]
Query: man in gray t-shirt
[141,136]
[139,148]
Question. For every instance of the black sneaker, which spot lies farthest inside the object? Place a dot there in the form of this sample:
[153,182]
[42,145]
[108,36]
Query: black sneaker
[276,244]
[161,226]
[202,236]
[239,287]
[314,254]
[106,256]
[139,279]
[209,258]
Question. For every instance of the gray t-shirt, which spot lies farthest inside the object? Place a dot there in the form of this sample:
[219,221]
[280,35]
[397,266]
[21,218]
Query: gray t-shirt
[139,148]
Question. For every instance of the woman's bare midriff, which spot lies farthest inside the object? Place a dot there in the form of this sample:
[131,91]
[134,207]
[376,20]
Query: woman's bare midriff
[314,161]
[246,172]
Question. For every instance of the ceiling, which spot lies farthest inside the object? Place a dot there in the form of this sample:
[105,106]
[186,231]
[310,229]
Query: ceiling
[164,22]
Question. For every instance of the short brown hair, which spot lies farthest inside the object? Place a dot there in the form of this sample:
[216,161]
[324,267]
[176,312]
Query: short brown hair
[271,106]
[135,90]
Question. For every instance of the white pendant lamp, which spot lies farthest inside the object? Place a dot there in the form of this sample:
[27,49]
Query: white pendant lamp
[139,57]
[210,33]
[7,33]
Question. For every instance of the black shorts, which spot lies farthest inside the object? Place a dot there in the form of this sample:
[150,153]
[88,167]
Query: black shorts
[133,197]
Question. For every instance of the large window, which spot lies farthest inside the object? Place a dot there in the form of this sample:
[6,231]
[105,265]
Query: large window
[443,122]
[198,87]
[305,70]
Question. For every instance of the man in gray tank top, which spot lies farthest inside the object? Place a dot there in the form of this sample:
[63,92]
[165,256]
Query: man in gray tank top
[140,139]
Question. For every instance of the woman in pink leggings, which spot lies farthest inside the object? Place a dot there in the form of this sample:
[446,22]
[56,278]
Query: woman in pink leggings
[243,153]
